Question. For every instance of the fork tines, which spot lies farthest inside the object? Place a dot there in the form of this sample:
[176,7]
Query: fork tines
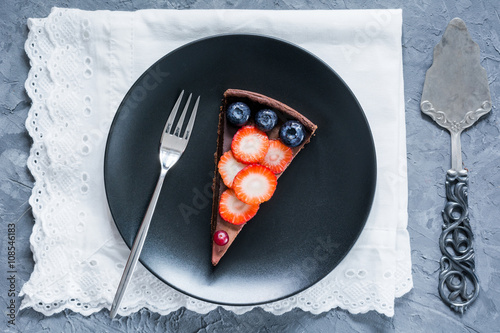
[189,127]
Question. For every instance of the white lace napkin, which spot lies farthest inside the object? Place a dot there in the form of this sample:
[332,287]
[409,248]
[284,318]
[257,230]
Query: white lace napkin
[82,64]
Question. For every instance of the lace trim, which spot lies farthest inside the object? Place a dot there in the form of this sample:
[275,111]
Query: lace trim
[67,130]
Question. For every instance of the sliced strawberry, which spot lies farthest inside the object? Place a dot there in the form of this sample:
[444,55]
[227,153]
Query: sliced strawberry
[254,184]
[249,145]
[278,156]
[232,210]
[229,167]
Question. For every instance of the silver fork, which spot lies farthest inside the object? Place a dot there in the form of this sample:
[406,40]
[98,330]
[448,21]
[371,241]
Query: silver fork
[172,145]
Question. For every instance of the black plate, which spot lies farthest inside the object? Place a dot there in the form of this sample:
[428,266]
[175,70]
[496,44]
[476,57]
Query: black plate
[322,200]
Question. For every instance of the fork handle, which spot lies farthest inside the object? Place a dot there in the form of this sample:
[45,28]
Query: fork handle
[458,283]
[136,250]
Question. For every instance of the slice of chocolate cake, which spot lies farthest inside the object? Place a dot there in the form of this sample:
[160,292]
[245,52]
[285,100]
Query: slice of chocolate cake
[258,137]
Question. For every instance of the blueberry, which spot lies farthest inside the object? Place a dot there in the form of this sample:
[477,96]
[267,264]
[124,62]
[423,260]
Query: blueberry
[266,119]
[238,113]
[292,133]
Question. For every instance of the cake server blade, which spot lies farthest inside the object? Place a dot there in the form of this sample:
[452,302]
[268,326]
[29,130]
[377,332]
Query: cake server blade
[456,94]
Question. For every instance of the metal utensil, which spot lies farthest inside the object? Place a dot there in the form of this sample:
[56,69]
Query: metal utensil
[172,145]
[455,95]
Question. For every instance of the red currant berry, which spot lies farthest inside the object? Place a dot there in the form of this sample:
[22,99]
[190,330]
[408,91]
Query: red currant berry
[221,238]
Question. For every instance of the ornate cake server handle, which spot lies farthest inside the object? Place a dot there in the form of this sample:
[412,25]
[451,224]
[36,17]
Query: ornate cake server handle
[456,94]
[458,283]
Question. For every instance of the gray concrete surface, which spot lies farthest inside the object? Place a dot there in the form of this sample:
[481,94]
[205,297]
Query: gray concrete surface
[428,158]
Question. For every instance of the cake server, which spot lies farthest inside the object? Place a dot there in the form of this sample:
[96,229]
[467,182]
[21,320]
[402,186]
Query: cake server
[456,94]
